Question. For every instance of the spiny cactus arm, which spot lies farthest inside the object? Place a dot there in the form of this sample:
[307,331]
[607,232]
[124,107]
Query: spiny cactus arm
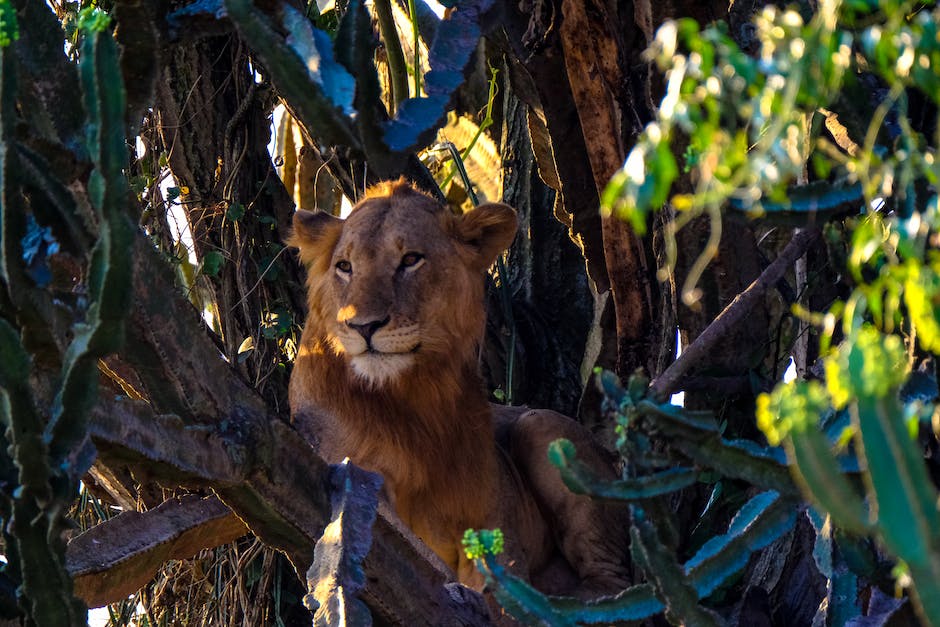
[355,41]
[527,604]
[906,499]
[35,551]
[696,435]
[32,309]
[822,199]
[758,523]
[842,602]
[109,274]
[700,441]
[825,482]
[49,78]
[521,600]
[37,554]
[20,418]
[580,479]
[455,41]
[13,225]
[46,585]
[659,563]
[58,210]
[354,45]
[138,35]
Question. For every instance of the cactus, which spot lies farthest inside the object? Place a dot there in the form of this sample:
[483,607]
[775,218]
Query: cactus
[818,197]
[109,275]
[581,480]
[35,552]
[696,435]
[50,453]
[800,406]
[864,375]
[324,100]
[674,588]
[454,43]
[759,522]
[314,105]
[841,604]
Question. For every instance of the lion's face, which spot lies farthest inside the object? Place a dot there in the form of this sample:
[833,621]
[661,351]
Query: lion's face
[399,283]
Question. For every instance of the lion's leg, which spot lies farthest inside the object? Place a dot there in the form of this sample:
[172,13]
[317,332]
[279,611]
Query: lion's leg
[592,535]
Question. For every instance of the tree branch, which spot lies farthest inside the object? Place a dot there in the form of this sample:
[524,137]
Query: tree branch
[279,487]
[114,559]
[695,353]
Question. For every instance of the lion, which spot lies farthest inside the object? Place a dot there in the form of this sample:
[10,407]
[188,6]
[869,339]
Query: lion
[387,374]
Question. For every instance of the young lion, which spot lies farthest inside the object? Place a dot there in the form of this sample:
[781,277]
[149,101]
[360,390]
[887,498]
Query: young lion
[387,374]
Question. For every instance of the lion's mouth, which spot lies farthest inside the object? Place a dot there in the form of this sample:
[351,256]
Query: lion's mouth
[380,368]
[372,350]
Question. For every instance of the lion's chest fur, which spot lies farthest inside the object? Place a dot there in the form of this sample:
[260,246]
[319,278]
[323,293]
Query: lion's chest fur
[434,447]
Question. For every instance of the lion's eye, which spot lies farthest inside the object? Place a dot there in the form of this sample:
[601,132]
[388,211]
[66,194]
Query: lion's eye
[344,266]
[410,260]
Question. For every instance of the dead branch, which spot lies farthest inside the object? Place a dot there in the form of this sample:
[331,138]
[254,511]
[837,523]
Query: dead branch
[695,353]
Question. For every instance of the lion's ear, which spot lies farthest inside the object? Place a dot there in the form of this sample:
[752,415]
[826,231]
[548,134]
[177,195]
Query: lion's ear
[490,229]
[315,233]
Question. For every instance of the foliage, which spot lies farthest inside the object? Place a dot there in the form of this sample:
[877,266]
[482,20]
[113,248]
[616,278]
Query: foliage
[759,134]
[476,544]
[9,27]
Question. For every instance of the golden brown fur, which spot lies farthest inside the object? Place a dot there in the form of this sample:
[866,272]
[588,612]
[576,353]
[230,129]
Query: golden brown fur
[387,375]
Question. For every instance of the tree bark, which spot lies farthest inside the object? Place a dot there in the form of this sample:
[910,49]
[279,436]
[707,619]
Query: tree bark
[215,127]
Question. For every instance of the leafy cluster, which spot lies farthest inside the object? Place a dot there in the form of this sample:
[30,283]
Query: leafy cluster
[476,544]
[9,26]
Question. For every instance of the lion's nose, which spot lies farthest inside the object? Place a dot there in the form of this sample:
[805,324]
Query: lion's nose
[367,329]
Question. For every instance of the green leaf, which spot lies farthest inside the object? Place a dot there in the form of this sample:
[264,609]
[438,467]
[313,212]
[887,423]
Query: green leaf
[93,20]
[9,26]
[212,262]
[235,212]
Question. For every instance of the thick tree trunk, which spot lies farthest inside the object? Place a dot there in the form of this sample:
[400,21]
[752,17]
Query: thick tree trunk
[215,128]
[552,299]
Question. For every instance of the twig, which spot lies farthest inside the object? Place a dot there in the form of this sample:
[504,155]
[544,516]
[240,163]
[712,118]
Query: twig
[393,52]
[416,37]
[258,282]
[732,315]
